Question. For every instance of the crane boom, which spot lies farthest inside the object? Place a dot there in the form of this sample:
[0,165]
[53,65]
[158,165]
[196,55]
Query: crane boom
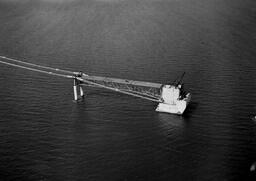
[122,81]
[147,90]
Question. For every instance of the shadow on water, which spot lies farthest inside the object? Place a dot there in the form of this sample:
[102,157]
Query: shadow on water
[191,108]
[168,118]
[171,125]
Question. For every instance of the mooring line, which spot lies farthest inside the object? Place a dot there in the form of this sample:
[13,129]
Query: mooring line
[35,65]
[37,70]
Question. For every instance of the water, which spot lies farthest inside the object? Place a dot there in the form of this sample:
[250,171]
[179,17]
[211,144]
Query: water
[46,136]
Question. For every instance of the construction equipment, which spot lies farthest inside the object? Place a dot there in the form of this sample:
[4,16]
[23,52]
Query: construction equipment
[170,98]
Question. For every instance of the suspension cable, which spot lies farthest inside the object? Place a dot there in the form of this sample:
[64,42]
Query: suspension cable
[39,66]
[37,70]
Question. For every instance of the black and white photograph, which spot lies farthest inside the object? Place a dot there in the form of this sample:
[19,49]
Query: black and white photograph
[127,90]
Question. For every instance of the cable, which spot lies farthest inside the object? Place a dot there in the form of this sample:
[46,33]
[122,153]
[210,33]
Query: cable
[37,70]
[40,66]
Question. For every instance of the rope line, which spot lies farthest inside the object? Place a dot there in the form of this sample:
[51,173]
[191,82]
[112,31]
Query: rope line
[39,66]
[37,70]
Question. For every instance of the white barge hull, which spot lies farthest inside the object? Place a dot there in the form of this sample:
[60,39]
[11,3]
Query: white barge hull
[172,102]
[177,108]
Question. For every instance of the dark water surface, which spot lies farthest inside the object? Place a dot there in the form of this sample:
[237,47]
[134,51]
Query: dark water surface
[44,135]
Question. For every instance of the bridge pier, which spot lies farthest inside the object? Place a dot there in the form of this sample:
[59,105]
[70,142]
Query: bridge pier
[77,89]
[81,91]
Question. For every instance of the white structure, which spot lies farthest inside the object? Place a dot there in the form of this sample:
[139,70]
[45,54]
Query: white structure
[173,102]
[77,88]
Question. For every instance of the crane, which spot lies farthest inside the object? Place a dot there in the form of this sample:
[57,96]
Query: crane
[171,98]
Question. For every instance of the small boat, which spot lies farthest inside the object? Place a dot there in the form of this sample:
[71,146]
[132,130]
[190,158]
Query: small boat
[253,167]
[254,118]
